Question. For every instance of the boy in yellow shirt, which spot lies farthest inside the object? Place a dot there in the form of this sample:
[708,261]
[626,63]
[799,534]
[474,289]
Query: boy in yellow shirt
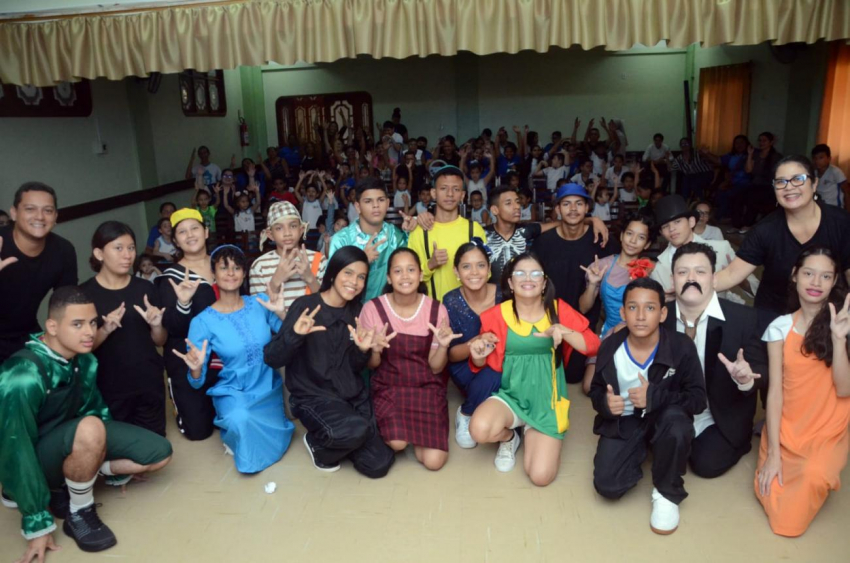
[436,248]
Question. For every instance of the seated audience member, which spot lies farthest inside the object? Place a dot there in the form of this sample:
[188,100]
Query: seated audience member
[248,394]
[586,178]
[477,211]
[554,171]
[602,201]
[805,443]
[732,359]
[476,181]
[464,306]
[145,268]
[4,219]
[207,173]
[130,374]
[657,152]
[832,184]
[33,260]
[324,355]
[436,248]
[527,339]
[165,211]
[249,175]
[677,224]
[401,197]
[614,173]
[760,164]
[276,165]
[202,201]
[58,432]
[696,171]
[528,211]
[163,246]
[702,228]
[411,371]
[372,234]
[280,192]
[646,390]
[627,189]
[243,213]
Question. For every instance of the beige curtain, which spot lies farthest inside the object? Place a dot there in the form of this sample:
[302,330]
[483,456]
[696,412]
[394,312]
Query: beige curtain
[222,36]
[723,106]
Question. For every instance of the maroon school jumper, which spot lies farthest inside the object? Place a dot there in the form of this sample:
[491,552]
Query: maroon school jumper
[409,399]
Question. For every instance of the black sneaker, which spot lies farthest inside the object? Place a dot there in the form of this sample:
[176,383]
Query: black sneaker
[316,464]
[86,528]
[60,502]
[7,501]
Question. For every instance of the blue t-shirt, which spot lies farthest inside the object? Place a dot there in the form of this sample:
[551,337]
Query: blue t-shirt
[736,163]
[292,156]
[503,164]
[154,234]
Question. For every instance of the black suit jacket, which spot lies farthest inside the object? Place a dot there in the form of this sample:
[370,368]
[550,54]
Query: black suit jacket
[733,410]
[675,378]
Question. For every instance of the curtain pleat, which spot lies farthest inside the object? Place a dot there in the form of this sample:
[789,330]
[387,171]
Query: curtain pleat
[835,118]
[288,31]
[723,106]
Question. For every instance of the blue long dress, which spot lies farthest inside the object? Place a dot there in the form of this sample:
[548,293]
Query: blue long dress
[248,396]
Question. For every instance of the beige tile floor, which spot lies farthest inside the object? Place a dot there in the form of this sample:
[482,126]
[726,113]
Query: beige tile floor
[200,509]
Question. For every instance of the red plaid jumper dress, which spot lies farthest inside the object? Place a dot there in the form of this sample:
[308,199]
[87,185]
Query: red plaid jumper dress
[409,399]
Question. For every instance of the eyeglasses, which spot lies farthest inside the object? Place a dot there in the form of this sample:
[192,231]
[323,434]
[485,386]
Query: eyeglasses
[703,213]
[796,181]
[534,275]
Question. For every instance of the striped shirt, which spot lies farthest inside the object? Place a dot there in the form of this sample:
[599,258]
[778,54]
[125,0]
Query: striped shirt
[696,165]
[264,267]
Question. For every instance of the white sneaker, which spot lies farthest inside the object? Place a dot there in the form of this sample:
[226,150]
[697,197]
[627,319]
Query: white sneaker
[506,455]
[462,436]
[665,514]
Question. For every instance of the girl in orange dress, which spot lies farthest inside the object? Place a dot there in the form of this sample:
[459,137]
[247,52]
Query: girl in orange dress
[805,445]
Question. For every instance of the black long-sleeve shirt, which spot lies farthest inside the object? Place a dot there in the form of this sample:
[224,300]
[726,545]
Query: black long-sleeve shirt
[325,363]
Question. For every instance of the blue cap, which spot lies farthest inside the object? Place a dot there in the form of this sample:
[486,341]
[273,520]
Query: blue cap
[571,189]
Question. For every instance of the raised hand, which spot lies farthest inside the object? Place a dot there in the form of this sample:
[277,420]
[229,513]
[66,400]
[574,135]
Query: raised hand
[381,339]
[577,123]
[276,304]
[217,187]
[7,261]
[839,323]
[306,323]
[151,314]
[637,395]
[444,334]
[363,337]
[616,404]
[750,150]
[302,266]
[595,272]
[112,321]
[186,289]
[516,129]
[439,257]
[371,249]
[193,357]
[740,369]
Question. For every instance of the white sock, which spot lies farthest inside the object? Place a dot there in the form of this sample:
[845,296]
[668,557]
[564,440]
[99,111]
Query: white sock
[81,493]
[106,469]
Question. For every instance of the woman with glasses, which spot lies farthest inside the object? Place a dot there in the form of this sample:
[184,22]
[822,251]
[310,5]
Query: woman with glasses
[702,209]
[528,338]
[777,240]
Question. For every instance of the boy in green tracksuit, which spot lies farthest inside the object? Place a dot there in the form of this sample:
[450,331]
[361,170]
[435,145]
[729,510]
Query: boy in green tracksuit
[57,431]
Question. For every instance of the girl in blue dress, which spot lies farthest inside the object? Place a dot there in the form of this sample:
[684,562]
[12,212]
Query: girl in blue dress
[248,396]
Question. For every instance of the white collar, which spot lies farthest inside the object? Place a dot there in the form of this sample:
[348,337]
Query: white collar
[713,310]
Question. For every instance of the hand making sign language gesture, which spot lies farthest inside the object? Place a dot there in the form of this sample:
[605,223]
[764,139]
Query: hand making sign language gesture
[595,272]
[409,223]
[306,323]
[740,369]
[151,314]
[839,324]
[444,334]
[557,332]
[112,321]
[371,249]
[185,290]
[276,303]
[482,346]
[381,341]
[362,337]
[193,357]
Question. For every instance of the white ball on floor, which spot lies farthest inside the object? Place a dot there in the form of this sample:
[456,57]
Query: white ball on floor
[271,487]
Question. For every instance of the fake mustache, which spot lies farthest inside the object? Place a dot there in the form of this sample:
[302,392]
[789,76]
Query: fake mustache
[691,284]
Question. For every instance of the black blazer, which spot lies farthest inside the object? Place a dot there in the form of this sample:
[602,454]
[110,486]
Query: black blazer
[675,378]
[733,410]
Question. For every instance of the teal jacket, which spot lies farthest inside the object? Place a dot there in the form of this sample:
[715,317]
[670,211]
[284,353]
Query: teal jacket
[353,236]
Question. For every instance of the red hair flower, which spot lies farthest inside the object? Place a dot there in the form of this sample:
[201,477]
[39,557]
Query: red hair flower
[640,268]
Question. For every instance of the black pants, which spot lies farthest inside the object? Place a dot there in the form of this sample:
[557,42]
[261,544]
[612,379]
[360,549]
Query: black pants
[617,465]
[194,408]
[712,454]
[340,429]
[145,410]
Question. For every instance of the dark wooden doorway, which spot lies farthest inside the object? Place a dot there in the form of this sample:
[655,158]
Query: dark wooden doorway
[299,114]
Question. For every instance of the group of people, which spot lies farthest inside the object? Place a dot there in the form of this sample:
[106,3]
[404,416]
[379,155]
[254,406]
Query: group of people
[366,336]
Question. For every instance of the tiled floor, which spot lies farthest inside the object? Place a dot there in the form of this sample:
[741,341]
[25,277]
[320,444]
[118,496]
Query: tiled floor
[199,509]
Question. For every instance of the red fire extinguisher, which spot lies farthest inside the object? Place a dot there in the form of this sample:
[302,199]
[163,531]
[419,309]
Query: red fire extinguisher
[244,139]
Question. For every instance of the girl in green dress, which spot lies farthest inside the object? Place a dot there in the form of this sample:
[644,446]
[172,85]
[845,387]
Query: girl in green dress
[520,339]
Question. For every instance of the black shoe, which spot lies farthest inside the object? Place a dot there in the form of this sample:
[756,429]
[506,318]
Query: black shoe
[60,502]
[318,465]
[88,531]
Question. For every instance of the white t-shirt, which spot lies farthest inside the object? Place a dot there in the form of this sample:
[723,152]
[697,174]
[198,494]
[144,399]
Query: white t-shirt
[212,174]
[828,186]
[398,198]
[476,186]
[628,197]
[553,175]
[525,213]
[627,373]
[311,211]
[421,208]
[577,179]
[712,233]
[394,154]
[615,178]
[166,247]
[477,215]
[243,221]
[602,210]
[597,162]
[352,213]
[154,275]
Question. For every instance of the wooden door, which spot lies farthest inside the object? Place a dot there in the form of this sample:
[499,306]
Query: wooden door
[300,114]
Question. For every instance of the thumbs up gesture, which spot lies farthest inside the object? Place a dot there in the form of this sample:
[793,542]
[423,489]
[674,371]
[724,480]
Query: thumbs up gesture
[439,257]
[616,404]
[637,395]
[740,369]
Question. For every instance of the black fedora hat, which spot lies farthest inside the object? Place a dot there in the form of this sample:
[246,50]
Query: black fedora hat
[671,207]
